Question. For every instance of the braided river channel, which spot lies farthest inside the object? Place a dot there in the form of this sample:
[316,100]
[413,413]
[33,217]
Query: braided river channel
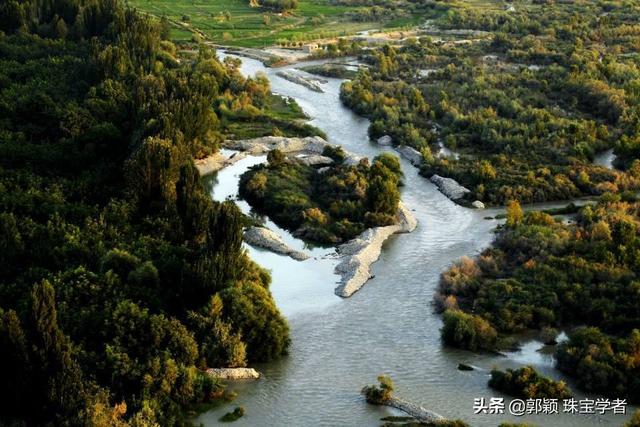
[389,326]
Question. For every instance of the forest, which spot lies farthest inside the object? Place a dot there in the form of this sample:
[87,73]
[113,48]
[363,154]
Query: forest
[120,280]
[543,274]
[526,107]
[328,206]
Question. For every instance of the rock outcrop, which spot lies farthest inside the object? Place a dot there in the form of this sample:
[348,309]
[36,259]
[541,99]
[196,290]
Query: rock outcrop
[314,160]
[385,140]
[416,411]
[449,187]
[411,154]
[267,239]
[362,251]
[308,145]
[217,161]
[234,373]
[293,77]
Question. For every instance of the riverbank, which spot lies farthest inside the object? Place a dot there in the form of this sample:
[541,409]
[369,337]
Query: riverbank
[364,250]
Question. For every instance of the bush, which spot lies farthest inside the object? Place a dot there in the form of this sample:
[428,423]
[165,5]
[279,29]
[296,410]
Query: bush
[232,416]
[527,383]
[467,331]
[379,395]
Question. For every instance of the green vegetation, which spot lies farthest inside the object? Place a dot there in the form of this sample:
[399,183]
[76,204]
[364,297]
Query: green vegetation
[233,416]
[635,421]
[260,23]
[542,273]
[120,280]
[526,109]
[380,394]
[325,207]
[527,383]
[277,116]
[602,363]
[467,331]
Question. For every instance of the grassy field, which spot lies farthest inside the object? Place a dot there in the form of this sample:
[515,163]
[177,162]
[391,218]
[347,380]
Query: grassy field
[234,23]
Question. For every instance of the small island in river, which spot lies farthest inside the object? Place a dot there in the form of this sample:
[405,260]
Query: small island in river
[320,198]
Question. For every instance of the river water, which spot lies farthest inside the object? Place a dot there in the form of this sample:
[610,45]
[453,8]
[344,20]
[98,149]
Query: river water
[388,327]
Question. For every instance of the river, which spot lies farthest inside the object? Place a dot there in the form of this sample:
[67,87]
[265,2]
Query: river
[388,327]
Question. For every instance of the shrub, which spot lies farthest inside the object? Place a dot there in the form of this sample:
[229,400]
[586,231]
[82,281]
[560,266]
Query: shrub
[379,395]
[468,331]
[527,383]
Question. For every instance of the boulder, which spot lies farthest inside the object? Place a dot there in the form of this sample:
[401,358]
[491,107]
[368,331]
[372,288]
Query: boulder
[233,373]
[449,187]
[300,80]
[477,204]
[314,160]
[411,154]
[265,238]
[385,140]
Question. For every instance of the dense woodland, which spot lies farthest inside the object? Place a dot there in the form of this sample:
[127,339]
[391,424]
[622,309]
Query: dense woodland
[542,273]
[120,279]
[328,206]
[526,106]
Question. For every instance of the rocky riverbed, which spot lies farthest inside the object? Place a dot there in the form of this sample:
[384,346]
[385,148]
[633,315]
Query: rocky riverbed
[416,411]
[449,187]
[362,251]
[296,78]
[305,146]
[234,373]
[217,161]
[267,239]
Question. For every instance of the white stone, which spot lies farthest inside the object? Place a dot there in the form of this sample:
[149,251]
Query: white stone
[416,411]
[234,373]
[411,154]
[449,187]
[265,238]
[314,160]
[310,144]
[478,204]
[362,251]
[300,80]
[385,140]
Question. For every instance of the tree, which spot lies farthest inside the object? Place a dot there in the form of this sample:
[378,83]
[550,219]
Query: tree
[61,29]
[275,158]
[192,203]
[514,213]
[467,331]
[381,394]
[382,196]
[57,387]
[152,171]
